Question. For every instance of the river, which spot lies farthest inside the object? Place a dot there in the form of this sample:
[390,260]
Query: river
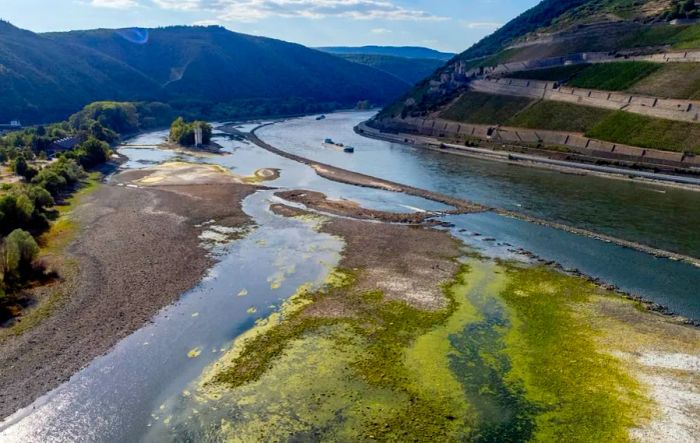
[655,215]
[127,394]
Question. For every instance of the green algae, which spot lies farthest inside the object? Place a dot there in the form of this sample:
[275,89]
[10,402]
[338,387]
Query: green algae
[509,359]
[582,392]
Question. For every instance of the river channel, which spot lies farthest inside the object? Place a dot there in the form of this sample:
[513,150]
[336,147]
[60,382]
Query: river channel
[127,394]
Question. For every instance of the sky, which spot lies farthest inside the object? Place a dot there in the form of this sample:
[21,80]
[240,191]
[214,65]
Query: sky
[446,25]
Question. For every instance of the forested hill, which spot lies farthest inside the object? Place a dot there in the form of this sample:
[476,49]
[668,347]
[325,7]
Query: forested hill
[391,51]
[410,70]
[45,80]
[210,70]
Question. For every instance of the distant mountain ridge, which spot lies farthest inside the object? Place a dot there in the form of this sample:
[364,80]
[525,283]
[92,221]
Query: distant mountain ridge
[410,70]
[46,77]
[392,51]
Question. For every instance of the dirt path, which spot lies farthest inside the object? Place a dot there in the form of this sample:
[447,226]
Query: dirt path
[137,251]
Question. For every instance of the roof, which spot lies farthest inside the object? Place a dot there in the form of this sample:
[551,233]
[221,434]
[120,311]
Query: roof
[66,143]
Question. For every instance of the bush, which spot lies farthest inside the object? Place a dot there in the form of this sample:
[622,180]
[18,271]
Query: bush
[92,152]
[17,252]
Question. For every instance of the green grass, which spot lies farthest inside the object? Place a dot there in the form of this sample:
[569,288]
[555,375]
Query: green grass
[616,76]
[647,132]
[688,38]
[560,73]
[673,80]
[480,108]
[559,116]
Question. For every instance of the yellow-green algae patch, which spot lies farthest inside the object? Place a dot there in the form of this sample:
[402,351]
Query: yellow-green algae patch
[581,391]
[509,359]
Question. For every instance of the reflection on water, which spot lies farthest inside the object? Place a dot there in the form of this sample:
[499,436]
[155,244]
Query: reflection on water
[670,283]
[658,216]
[114,397]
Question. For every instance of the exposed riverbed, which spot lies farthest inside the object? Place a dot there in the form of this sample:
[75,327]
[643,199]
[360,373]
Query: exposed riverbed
[383,337]
[650,214]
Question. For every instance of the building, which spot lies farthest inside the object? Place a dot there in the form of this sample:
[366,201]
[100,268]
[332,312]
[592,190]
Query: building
[14,125]
[63,145]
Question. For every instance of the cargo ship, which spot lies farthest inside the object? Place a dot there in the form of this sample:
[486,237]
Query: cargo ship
[339,146]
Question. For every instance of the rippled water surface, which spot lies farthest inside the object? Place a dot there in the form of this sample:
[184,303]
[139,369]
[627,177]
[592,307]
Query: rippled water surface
[659,216]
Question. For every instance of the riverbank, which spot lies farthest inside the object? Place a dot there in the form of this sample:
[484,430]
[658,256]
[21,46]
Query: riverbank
[531,160]
[137,250]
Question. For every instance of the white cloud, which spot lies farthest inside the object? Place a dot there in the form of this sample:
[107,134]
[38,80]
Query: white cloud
[380,31]
[483,25]
[253,10]
[116,4]
[179,5]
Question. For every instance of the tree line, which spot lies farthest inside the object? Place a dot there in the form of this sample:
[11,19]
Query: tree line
[27,206]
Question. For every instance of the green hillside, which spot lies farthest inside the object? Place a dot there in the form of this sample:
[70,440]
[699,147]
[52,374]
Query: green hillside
[210,70]
[43,80]
[390,51]
[409,70]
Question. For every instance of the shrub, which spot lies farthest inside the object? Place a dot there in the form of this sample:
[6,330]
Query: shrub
[17,252]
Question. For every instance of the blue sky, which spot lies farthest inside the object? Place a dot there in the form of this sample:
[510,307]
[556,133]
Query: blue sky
[449,25]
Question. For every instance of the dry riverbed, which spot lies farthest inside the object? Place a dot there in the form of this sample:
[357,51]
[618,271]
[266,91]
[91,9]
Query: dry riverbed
[412,336]
[137,250]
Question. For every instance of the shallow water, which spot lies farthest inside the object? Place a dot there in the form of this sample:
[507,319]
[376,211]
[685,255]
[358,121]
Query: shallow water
[659,216]
[117,396]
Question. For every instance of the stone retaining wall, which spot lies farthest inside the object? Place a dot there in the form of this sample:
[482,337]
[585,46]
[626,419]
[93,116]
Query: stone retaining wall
[681,110]
[576,142]
[585,57]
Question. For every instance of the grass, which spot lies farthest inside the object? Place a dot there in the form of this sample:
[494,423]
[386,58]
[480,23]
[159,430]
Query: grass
[559,116]
[480,108]
[647,132]
[616,76]
[688,38]
[559,73]
[673,80]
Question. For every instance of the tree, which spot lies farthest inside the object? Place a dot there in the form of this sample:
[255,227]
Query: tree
[23,169]
[92,152]
[17,252]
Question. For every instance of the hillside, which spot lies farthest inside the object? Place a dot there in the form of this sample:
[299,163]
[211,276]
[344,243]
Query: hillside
[391,51]
[44,80]
[607,78]
[208,71]
[410,70]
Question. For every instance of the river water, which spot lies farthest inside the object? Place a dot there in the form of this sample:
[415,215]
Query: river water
[127,394]
[658,216]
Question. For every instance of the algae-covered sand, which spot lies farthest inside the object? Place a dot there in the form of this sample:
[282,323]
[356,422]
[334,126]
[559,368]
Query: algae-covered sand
[512,352]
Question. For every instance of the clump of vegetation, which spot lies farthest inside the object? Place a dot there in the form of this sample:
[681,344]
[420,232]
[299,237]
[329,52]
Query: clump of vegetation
[616,76]
[183,132]
[559,116]
[17,253]
[481,108]
[648,132]
[681,9]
